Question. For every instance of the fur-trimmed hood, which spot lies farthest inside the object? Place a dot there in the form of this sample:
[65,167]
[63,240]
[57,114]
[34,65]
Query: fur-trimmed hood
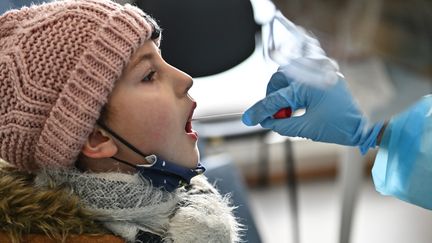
[53,211]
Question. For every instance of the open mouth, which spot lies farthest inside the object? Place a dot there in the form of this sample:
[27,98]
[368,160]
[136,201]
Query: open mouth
[188,126]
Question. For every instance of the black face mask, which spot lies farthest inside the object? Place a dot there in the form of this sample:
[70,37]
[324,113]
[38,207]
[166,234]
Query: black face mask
[160,172]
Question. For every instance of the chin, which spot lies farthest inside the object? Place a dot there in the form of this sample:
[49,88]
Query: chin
[195,159]
[189,158]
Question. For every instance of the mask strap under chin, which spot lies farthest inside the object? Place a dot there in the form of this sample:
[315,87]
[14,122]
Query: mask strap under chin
[124,162]
[118,137]
[122,140]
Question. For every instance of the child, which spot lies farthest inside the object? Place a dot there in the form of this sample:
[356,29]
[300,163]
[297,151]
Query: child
[96,129]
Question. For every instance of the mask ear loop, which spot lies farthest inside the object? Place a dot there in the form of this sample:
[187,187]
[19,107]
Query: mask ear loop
[124,162]
[122,140]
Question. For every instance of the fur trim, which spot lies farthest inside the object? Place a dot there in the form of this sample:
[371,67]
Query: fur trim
[204,216]
[53,211]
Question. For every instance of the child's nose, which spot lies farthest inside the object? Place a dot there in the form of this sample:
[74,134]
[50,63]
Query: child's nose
[182,82]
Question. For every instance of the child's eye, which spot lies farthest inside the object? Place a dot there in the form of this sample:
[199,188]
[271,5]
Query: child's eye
[149,76]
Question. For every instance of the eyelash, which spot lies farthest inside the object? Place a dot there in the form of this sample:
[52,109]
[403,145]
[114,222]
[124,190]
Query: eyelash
[149,76]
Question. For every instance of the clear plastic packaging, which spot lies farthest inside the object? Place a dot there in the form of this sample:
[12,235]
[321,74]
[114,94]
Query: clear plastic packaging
[298,53]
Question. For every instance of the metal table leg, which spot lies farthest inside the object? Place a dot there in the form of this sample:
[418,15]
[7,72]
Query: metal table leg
[350,179]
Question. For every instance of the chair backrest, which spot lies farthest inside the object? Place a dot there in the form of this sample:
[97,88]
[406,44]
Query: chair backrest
[204,37]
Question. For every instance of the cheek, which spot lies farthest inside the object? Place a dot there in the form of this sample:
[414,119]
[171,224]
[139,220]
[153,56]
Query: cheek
[146,118]
[156,125]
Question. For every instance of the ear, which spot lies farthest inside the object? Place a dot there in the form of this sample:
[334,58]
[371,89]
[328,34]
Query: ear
[99,145]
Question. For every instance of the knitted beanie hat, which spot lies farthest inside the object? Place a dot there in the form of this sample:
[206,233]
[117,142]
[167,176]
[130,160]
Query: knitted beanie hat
[58,64]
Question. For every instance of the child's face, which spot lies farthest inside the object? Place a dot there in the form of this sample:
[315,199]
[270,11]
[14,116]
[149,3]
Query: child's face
[150,107]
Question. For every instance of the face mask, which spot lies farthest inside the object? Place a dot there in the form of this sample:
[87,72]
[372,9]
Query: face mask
[160,172]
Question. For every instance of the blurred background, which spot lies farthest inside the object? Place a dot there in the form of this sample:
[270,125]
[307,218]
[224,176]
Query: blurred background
[291,189]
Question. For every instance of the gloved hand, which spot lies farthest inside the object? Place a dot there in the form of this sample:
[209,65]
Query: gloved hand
[331,113]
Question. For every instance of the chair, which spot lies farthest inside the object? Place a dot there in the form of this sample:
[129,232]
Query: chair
[204,37]
[222,173]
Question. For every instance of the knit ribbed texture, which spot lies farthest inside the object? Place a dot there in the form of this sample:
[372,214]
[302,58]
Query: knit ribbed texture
[58,63]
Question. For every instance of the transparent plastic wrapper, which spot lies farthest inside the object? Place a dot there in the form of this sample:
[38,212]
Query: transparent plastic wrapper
[297,52]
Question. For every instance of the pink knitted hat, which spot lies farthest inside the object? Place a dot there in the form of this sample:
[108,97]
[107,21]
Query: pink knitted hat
[58,64]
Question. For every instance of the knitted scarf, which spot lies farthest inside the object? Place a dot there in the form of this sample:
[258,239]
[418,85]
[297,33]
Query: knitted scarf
[127,204]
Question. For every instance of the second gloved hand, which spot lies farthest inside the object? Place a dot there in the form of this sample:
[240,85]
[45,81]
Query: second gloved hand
[331,113]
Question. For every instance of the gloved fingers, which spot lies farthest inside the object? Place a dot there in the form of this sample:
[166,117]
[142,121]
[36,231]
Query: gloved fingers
[301,72]
[268,106]
[277,81]
[311,71]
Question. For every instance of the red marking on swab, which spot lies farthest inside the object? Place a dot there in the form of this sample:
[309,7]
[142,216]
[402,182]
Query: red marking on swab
[283,113]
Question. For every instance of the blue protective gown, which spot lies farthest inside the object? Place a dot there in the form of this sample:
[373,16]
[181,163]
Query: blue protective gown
[403,165]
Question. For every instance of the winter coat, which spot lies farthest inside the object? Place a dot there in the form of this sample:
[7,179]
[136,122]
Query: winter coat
[54,213]
[40,238]
[31,214]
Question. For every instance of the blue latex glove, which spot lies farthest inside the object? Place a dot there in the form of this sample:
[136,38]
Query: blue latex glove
[331,113]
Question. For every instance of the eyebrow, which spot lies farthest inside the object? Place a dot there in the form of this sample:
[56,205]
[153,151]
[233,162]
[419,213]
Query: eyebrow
[143,57]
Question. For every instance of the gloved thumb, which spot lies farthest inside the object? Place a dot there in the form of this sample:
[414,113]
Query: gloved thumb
[268,106]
